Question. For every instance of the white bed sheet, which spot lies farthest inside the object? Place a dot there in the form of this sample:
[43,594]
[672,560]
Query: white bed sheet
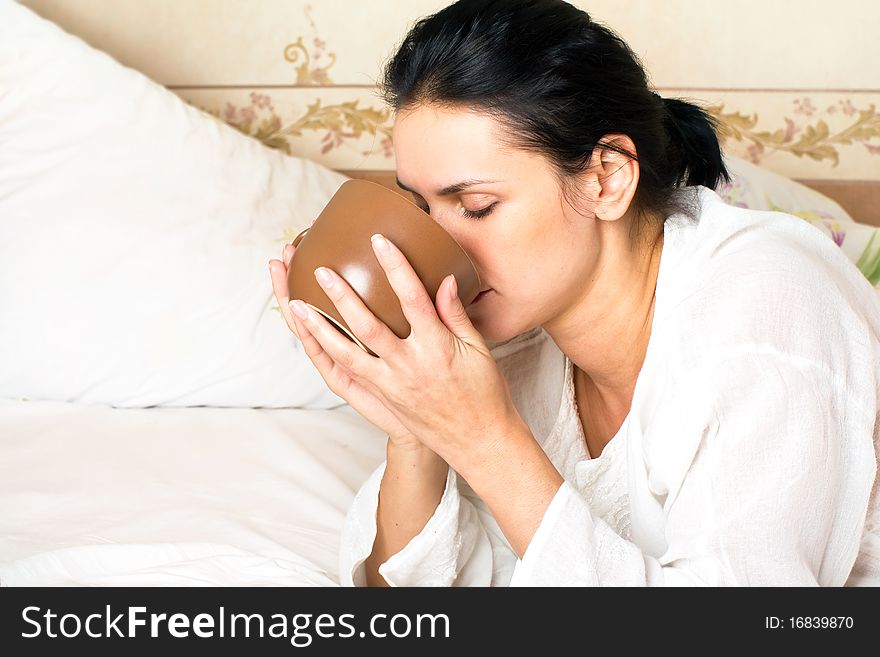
[97,496]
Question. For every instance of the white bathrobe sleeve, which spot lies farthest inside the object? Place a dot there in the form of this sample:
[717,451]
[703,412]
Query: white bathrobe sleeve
[460,545]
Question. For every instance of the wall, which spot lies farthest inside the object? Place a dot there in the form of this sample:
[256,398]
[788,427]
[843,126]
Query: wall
[796,84]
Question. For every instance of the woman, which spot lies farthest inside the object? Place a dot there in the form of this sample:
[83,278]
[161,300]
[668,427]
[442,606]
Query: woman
[673,391]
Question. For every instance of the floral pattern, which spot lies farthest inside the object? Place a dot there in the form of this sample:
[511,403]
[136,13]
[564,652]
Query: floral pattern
[811,129]
[346,123]
[343,124]
[311,69]
[869,262]
[813,139]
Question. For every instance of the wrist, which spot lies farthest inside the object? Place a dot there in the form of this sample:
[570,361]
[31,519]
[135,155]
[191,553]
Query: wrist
[516,480]
[507,439]
[507,461]
[414,456]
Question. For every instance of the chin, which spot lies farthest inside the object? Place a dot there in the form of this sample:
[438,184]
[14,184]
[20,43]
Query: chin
[494,324]
[493,332]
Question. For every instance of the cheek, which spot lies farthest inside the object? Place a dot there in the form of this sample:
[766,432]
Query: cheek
[502,268]
[520,251]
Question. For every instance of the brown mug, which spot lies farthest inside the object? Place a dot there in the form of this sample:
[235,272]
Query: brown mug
[340,240]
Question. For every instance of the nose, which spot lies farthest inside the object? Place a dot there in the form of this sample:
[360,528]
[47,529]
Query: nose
[470,254]
[466,242]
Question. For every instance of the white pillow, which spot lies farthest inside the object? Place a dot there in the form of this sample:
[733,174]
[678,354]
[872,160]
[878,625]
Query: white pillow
[754,187]
[757,188]
[135,232]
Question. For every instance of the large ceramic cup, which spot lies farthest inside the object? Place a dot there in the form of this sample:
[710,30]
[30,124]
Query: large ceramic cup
[340,239]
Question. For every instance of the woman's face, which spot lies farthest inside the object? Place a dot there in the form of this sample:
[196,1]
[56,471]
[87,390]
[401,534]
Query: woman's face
[535,251]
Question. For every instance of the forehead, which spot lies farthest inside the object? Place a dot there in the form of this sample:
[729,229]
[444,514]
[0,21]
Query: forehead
[433,144]
[457,120]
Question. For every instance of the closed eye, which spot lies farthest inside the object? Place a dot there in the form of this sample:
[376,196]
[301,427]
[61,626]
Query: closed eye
[470,214]
[478,214]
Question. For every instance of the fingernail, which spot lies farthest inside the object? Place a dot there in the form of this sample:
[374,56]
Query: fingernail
[453,288]
[325,278]
[299,309]
[380,244]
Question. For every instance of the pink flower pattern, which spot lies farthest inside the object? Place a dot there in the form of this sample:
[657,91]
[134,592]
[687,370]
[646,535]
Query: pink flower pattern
[804,106]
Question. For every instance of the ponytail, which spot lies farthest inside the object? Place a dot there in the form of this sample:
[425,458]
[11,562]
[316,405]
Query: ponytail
[694,152]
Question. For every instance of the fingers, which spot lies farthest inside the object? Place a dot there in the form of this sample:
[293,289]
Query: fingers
[338,379]
[325,365]
[328,348]
[278,274]
[452,313]
[360,319]
[418,308]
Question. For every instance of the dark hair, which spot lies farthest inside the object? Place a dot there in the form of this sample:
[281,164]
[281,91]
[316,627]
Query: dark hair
[558,82]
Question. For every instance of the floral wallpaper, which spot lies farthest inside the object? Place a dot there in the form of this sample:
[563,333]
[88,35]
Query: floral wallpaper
[812,128]
[338,124]
[300,75]
[808,132]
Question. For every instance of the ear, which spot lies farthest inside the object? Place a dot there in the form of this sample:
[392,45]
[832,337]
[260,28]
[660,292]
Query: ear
[617,176]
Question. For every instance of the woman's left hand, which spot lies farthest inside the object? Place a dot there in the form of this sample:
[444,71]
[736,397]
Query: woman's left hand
[441,382]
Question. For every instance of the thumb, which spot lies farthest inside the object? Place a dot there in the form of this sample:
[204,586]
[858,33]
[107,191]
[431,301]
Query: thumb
[452,313]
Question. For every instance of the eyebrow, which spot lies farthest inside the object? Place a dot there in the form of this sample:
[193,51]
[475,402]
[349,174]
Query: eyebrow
[451,189]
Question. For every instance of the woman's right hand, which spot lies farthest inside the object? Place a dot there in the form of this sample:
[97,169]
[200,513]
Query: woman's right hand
[358,396]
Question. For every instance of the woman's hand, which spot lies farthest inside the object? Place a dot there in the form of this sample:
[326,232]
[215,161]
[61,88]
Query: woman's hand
[278,272]
[339,380]
[440,384]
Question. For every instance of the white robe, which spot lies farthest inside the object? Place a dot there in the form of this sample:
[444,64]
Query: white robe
[748,456]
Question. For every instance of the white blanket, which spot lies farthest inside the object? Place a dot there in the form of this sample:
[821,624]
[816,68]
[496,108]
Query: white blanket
[97,496]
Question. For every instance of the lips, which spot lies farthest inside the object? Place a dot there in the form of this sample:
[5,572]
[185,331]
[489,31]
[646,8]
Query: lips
[481,295]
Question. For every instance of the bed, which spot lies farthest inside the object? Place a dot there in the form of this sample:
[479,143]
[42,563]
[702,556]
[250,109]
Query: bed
[159,424]
[92,495]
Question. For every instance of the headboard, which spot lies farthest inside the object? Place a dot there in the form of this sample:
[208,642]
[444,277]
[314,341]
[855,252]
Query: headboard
[861,198]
